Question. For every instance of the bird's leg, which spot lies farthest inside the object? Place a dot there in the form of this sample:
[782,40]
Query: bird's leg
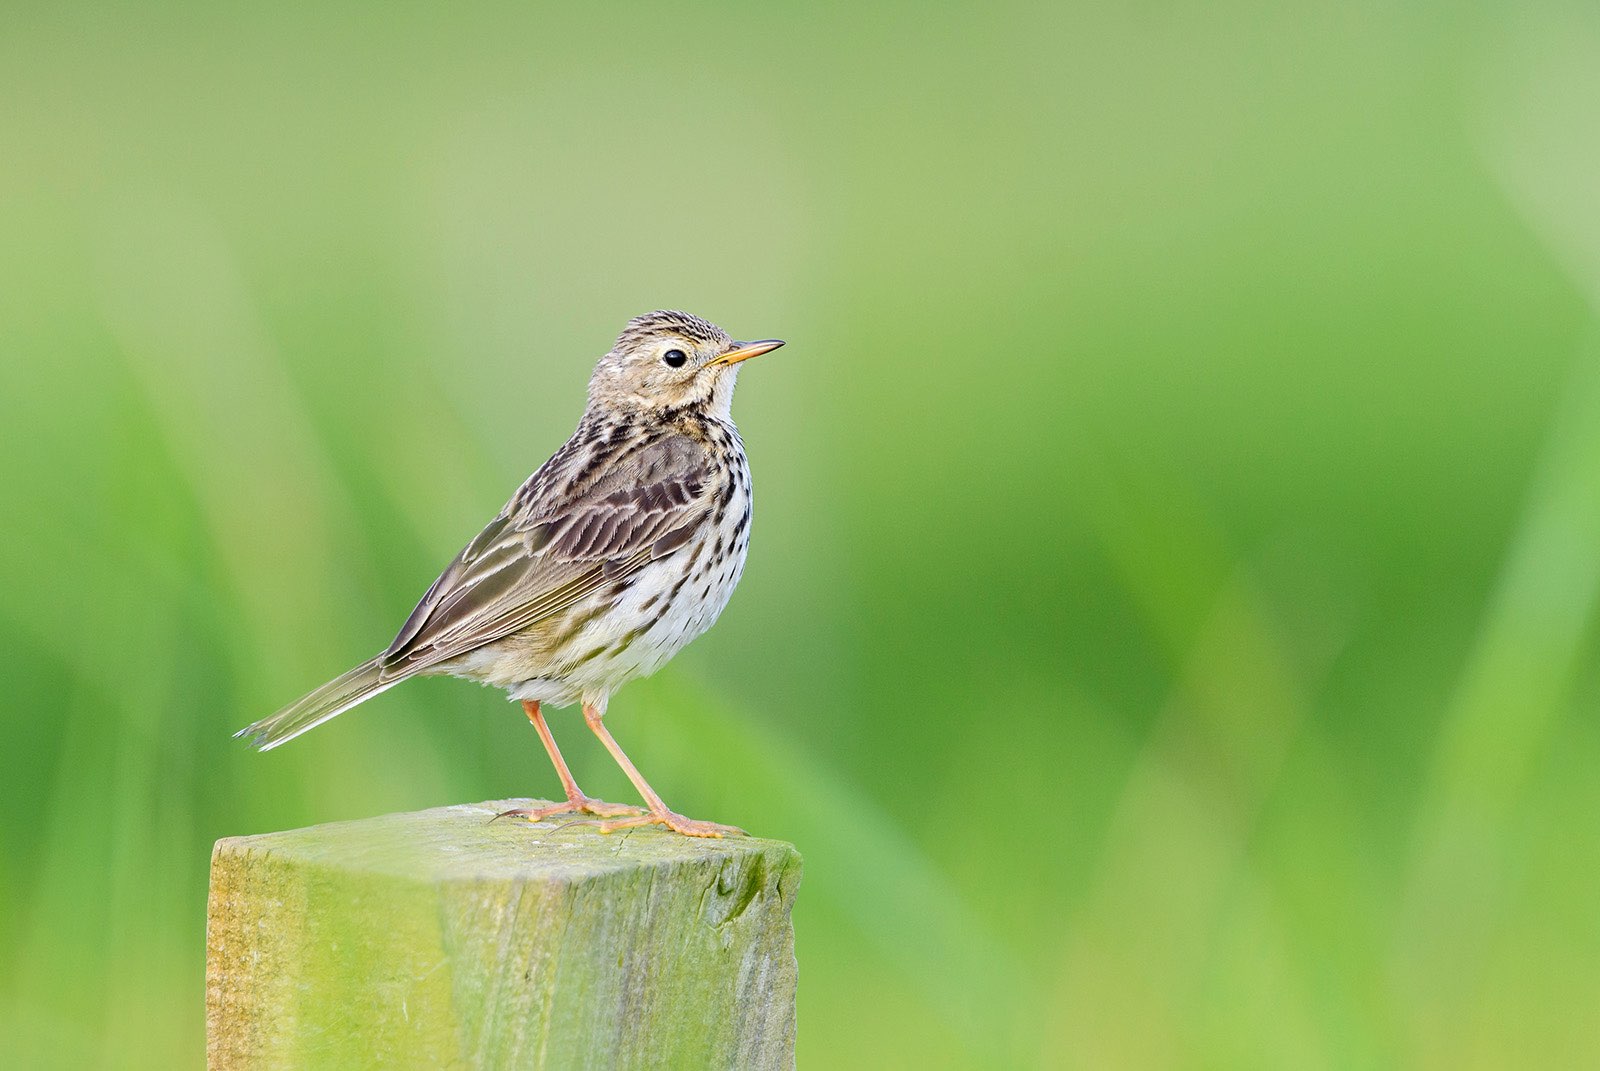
[577,802]
[659,814]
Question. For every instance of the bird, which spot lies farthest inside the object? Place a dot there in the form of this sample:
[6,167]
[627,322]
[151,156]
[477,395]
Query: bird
[617,552]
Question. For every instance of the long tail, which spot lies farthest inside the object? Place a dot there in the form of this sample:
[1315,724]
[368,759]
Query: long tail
[309,711]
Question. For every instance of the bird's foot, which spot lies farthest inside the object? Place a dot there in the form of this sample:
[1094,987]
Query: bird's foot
[675,822]
[574,805]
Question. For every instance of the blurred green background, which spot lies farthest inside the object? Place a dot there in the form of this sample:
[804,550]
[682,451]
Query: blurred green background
[1170,633]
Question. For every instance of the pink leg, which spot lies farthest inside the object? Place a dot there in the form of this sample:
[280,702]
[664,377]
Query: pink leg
[659,814]
[577,802]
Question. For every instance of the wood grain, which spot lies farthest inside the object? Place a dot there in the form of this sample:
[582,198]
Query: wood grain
[436,939]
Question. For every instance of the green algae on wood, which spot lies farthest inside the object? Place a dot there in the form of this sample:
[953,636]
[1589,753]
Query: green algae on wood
[436,939]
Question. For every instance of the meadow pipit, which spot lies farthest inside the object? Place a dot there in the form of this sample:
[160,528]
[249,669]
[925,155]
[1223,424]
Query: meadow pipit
[622,548]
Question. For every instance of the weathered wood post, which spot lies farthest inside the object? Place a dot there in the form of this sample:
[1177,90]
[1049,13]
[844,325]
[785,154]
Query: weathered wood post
[437,940]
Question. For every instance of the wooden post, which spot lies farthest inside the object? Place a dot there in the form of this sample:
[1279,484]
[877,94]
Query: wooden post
[438,940]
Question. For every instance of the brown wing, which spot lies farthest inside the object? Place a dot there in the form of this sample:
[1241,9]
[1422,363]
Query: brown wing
[543,554]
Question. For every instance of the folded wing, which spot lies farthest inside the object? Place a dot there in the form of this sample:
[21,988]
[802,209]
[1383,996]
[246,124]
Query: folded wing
[546,552]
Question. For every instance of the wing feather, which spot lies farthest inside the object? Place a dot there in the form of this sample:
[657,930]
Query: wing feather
[544,553]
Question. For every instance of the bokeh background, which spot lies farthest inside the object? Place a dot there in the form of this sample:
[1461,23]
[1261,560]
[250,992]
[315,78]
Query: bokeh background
[1170,633]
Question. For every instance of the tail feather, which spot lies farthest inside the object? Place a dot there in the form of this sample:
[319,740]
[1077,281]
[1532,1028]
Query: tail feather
[309,711]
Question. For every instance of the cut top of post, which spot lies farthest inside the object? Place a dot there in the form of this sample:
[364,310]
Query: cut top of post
[460,843]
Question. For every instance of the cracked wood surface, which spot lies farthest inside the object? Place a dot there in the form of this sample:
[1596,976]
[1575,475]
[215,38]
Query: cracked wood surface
[435,939]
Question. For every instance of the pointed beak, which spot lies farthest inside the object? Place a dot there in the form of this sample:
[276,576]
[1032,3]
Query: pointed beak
[744,351]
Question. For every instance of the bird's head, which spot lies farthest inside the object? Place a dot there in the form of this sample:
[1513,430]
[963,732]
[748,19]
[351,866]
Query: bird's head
[672,361]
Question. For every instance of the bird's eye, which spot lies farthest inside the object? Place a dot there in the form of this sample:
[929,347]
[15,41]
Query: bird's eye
[675,358]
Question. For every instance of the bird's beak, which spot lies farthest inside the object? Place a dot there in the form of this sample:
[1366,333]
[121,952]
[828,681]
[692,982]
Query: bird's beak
[745,351]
